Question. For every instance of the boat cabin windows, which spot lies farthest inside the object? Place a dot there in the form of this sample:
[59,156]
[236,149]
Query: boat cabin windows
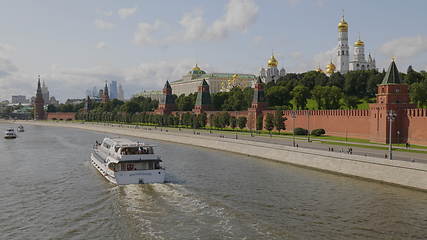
[144,165]
[137,150]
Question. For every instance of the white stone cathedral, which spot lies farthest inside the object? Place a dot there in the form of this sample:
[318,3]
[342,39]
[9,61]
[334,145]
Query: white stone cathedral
[271,73]
[359,61]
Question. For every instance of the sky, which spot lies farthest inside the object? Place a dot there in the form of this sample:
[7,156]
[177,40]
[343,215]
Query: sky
[75,45]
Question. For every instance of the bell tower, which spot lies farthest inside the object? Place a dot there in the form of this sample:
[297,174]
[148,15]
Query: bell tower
[343,57]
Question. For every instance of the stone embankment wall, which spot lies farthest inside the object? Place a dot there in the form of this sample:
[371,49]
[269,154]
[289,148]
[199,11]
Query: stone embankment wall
[408,174]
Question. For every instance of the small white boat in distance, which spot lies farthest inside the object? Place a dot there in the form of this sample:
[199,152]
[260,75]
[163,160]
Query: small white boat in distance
[10,133]
[122,161]
[20,128]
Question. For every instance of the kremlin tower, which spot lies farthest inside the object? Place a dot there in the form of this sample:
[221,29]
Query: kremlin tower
[39,113]
[105,97]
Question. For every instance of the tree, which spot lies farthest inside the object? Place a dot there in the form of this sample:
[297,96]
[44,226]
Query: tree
[233,122]
[279,121]
[332,96]
[299,96]
[336,79]
[327,97]
[235,101]
[51,108]
[269,122]
[242,122]
[259,122]
[226,119]
[203,119]
[130,107]
[417,93]
[186,103]
[350,101]
[277,96]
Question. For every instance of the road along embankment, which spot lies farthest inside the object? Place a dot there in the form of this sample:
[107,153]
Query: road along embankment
[407,174]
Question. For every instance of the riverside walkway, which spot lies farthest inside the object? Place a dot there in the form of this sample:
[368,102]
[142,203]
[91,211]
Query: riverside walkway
[316,143]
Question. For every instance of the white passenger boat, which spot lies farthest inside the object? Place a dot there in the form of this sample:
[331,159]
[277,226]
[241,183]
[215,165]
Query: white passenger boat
[122,161]
[10,133]
[20,128]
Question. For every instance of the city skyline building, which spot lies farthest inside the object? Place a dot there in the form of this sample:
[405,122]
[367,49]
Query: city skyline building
[19,99]
[45,93]
[121,93]
[113,91]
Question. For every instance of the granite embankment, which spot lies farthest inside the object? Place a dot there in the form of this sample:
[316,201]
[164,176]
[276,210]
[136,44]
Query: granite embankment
[407,174]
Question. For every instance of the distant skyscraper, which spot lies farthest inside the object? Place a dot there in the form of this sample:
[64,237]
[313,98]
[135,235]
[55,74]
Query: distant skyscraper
[45,93]
[113,90]
[121,94]
[95,92]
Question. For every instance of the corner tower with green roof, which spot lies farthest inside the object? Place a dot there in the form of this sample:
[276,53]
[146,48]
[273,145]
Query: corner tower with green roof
[392,96]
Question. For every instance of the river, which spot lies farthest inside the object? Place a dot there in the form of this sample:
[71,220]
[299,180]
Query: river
[49,190]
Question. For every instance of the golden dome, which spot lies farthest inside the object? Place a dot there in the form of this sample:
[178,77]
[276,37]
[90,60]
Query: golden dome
[330,68]
[272,62]
[343,25]
[359,43]
[318,69]
[196,68]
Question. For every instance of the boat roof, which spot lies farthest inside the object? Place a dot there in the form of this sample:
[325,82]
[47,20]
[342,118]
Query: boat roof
[123,142]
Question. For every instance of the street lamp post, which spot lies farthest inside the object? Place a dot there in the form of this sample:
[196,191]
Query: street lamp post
[308,125]
[293,115]
[391,116]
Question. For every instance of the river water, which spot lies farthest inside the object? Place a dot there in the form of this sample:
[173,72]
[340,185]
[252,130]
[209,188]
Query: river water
[49,190]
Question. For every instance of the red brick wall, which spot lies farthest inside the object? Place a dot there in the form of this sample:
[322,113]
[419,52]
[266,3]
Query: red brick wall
[353,123]
[61,116]
[411,123]
[414,126]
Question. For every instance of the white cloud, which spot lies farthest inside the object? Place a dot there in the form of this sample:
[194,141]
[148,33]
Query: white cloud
[101,45]
[106,13]
[405,47]
[144,33]
[126,12]
[323,58]
[7,67]
[6,48]
[103,25]
[193,24]
[294,2]
[239,15]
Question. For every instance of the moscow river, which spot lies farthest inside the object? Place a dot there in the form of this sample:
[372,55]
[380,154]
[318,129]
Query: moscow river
[50,191]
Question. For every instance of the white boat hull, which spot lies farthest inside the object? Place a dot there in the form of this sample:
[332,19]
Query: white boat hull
[128,177]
